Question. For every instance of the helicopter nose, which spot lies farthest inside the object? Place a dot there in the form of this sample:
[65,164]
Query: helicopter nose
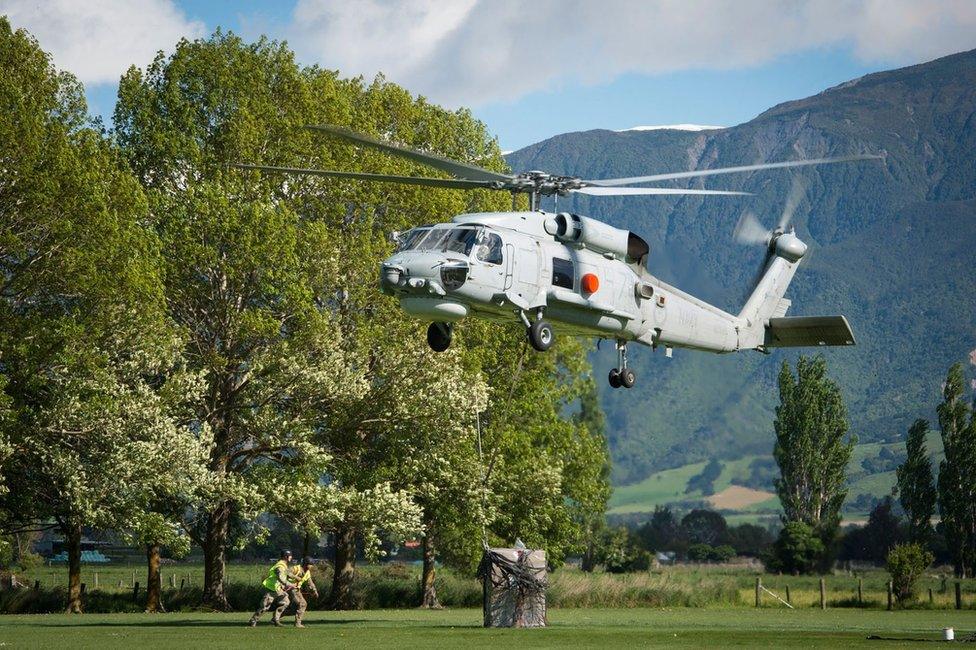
[392,275]
[423,272]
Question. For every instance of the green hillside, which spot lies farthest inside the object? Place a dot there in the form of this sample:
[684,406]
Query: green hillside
[866,484]
[892,248]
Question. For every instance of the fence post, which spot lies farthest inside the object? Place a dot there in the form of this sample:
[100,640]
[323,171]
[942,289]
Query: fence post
[37,585]
[135,591]
[172,580]
[95,585]
[958,595]
[860,592]
[83,588]
[931,600]
[758,591]
[182,581]
[133,582]
[890,589]
[942,586]
[823,594]
[788,595]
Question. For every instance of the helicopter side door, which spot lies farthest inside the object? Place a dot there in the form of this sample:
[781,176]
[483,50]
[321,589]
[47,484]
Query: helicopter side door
[509,266]
[527,285]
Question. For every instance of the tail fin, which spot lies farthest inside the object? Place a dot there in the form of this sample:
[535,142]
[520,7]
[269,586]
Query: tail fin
[767,301]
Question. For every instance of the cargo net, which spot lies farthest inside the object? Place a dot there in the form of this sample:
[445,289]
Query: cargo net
[514,582]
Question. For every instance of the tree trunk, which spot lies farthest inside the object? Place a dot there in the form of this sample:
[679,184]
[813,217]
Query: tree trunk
[72,540]
[306,546]
[345,567]
[588,561]
[154,583]
[214,551]
[428,591]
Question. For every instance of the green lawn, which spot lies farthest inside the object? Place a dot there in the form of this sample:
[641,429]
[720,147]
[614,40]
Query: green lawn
[462,628]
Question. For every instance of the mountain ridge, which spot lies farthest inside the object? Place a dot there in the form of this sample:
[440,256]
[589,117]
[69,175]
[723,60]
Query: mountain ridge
[891,246]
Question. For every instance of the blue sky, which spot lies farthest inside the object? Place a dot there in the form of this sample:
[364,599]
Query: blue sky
[584,65]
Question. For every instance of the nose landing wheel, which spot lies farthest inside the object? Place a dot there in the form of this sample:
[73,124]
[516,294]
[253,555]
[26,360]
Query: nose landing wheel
[439,336]
[541,335]
[540,332]
[622,375]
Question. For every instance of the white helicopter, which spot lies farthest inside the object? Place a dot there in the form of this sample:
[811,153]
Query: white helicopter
[577,274]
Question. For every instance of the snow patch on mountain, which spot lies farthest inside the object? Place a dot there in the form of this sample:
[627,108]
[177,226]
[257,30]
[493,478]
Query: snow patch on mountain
[673,127]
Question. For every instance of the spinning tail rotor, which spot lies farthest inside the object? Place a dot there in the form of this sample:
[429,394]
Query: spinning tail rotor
[750,231]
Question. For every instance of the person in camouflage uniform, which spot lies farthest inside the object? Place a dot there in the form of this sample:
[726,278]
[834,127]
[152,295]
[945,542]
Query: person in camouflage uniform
[301,576]
[276,589]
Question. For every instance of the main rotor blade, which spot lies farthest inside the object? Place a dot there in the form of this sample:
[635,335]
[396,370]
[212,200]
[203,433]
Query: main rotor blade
[450,183]
[453,167]
[612,182]
[625,191]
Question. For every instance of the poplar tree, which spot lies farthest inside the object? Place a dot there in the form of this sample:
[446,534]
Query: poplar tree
[916,486]
[957,473]
[812,448]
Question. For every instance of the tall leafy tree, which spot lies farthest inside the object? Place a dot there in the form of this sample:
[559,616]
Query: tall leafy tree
[273,279]
[85,354]
[241,267]
[916,486]
[812,448]
[957,473]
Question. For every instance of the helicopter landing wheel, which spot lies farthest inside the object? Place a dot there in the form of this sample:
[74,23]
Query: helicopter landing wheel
[541,335]
[439,336]
[627,378]
[614,378]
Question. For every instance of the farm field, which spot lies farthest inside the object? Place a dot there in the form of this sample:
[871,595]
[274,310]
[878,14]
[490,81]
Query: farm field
[670,486]
[453,628]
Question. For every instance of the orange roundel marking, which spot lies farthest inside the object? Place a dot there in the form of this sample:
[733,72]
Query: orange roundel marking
[589,283]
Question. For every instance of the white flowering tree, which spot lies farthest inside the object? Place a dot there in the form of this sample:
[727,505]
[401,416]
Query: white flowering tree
[101,445]
[85,353]
[430,442]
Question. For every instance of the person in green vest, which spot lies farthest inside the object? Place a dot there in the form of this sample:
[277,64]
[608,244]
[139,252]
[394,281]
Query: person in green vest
[276,589]
[302,577]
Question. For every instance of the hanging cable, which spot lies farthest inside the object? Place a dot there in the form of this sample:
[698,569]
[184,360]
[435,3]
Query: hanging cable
[484,486]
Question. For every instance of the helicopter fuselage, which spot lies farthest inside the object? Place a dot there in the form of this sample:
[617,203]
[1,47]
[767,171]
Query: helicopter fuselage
[519,266]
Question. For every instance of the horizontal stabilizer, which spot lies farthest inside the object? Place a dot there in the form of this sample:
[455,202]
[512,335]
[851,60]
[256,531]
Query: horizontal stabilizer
[803,331]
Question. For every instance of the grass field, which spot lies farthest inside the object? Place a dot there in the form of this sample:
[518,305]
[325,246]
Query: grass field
[578,628]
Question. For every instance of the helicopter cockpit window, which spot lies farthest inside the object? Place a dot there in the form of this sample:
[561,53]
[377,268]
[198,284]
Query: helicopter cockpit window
[461,240]
[448,240]
[489,249]
[562,273]
[410,238]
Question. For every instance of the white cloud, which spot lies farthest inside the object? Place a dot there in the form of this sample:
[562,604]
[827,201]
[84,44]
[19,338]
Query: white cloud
[478,51]
[97,40]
